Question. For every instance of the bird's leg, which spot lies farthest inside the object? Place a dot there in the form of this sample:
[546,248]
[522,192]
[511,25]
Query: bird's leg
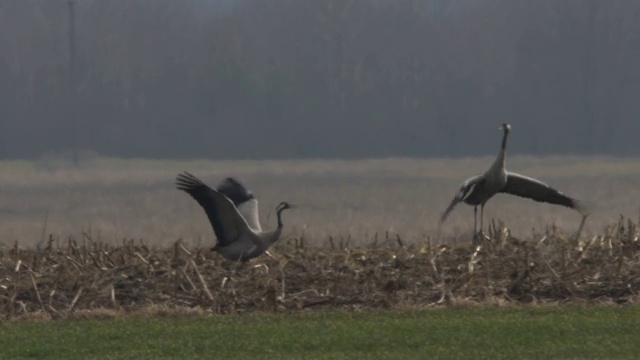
[481,234]
[478,236]
[231,273]
[481,217]
[239,264]
[475,220]
[475,224]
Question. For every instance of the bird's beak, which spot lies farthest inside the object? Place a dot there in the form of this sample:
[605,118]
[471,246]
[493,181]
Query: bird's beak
[293,206]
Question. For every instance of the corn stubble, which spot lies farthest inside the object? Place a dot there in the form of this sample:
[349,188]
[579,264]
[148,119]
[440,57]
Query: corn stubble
[80,278]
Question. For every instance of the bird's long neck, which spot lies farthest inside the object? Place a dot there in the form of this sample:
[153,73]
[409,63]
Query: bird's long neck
[272,236]
[503,148]
[279,215]
[500,164]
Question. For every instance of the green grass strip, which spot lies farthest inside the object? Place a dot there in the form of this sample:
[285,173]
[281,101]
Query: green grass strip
[570,332]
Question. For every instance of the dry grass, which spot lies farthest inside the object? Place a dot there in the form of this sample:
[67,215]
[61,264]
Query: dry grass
[82,278]
[112,199]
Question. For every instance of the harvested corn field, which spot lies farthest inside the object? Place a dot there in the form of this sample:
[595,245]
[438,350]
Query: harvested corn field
[79,277]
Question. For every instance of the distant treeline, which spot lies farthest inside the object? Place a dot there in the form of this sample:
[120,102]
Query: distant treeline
[319,78]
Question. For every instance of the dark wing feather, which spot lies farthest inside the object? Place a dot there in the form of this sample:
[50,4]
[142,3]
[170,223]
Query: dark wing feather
[235,191]
[227,223]
[529,188]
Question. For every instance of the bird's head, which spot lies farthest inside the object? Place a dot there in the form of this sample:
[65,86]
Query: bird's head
[284,206]
[505,127]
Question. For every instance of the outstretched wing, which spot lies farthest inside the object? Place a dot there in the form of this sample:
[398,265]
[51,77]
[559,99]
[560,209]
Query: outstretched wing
[227,223]
[249,211]
[235,191]
[530,188]
[244,201]
[465,190]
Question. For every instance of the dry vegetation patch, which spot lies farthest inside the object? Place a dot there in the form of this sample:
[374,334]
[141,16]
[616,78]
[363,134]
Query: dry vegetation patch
[83,278]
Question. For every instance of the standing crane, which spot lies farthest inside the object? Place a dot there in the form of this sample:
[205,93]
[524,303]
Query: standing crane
[233,213]
[477,190]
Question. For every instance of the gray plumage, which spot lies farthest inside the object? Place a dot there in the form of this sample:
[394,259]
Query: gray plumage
[233,213]
[243,200]
[479,189]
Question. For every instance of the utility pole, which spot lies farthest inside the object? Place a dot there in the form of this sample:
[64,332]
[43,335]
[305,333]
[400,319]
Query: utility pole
[73,88]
